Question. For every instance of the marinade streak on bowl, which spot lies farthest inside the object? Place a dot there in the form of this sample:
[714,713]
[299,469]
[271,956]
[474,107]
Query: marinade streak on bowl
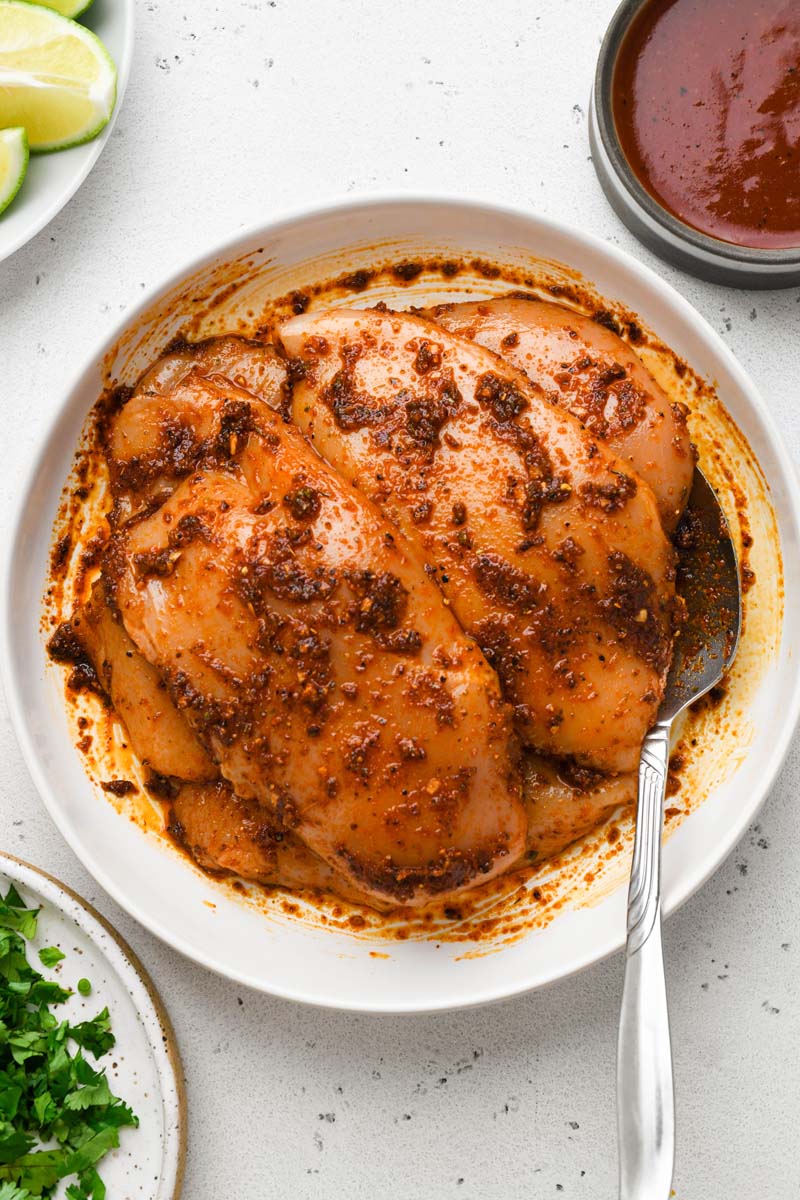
[288,654]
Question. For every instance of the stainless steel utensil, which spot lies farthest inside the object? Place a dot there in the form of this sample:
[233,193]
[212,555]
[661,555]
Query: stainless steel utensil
[708,584]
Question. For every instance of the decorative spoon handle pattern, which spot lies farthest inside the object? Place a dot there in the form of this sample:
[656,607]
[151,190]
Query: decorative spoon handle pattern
[645,1102]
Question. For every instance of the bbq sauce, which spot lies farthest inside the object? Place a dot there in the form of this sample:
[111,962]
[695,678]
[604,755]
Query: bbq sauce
[706,104]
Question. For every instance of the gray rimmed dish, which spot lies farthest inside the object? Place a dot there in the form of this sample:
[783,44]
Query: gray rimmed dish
[685,247]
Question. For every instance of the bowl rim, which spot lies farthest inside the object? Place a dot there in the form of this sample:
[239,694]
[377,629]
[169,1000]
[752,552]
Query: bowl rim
[242,242]
[729,252]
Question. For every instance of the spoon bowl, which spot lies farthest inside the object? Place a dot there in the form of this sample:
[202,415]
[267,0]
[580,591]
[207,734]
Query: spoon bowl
[709,588]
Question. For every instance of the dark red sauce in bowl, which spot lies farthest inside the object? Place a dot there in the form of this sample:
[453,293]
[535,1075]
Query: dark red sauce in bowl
[706,106]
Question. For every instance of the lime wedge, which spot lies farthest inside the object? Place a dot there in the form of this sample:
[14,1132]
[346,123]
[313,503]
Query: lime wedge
[67,8]
[13,164]
[56,77]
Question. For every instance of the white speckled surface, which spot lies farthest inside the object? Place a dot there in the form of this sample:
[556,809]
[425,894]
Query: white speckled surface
[240,108]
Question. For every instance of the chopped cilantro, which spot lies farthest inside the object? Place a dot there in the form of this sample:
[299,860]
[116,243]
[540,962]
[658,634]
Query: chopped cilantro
[9,1191]
[50,1094]
[49,956]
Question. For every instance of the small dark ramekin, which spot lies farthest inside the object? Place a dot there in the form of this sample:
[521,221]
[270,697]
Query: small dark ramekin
[680,244]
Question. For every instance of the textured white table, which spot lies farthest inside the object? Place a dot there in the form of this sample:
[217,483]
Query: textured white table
[235,110]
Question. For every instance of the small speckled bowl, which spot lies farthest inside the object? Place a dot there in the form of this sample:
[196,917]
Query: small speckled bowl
[145,1068]
[707,257]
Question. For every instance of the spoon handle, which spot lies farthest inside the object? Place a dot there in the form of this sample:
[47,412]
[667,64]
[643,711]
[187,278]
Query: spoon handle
[645,1102]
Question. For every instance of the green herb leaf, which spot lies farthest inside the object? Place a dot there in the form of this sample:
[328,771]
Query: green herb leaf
[38,1171]
[90,1096]
[10,1096]
[10,1191]
[94,1035]
[90,1187]
[50,955]
[92,1150]
[13,1145]
[14,914]
[27,1045]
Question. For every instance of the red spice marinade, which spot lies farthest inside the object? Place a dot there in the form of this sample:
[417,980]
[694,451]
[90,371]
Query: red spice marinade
[706,103]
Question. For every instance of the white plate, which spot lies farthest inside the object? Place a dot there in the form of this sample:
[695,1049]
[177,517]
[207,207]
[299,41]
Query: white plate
[271,950]
[52,179]
[144,1067]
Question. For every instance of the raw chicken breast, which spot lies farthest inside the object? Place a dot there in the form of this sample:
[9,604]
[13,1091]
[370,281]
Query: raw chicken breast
[589,370]
[185,411]
[564,805]
[227,834]
[549,550]
[320,667]
[252,366]
[158,733]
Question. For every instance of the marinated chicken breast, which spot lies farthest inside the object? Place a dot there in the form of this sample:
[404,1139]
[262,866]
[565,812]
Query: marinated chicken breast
[226,834]
[550,552]
[158,733]
[252,366]
[320,667]
[563,806]
[219,829]
[332,636]
[185,411]
[589,370]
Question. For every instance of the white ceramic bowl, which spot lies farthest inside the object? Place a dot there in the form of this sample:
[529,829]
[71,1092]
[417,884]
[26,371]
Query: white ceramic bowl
[271,950]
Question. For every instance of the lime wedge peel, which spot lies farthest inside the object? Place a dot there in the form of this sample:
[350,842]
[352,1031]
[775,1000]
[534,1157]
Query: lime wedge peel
[57,79]
[67,8]
[13,164]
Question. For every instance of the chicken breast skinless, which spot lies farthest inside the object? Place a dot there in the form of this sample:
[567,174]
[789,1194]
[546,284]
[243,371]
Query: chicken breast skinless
[548,548]
[232,836]
[181,410]
[318,664]
[562,809]
[317,631]
[588,369]
[157,731]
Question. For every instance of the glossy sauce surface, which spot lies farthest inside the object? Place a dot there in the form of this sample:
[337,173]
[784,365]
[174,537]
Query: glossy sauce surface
[706,103]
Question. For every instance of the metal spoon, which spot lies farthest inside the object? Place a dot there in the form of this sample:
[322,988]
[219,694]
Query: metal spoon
[708,583]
